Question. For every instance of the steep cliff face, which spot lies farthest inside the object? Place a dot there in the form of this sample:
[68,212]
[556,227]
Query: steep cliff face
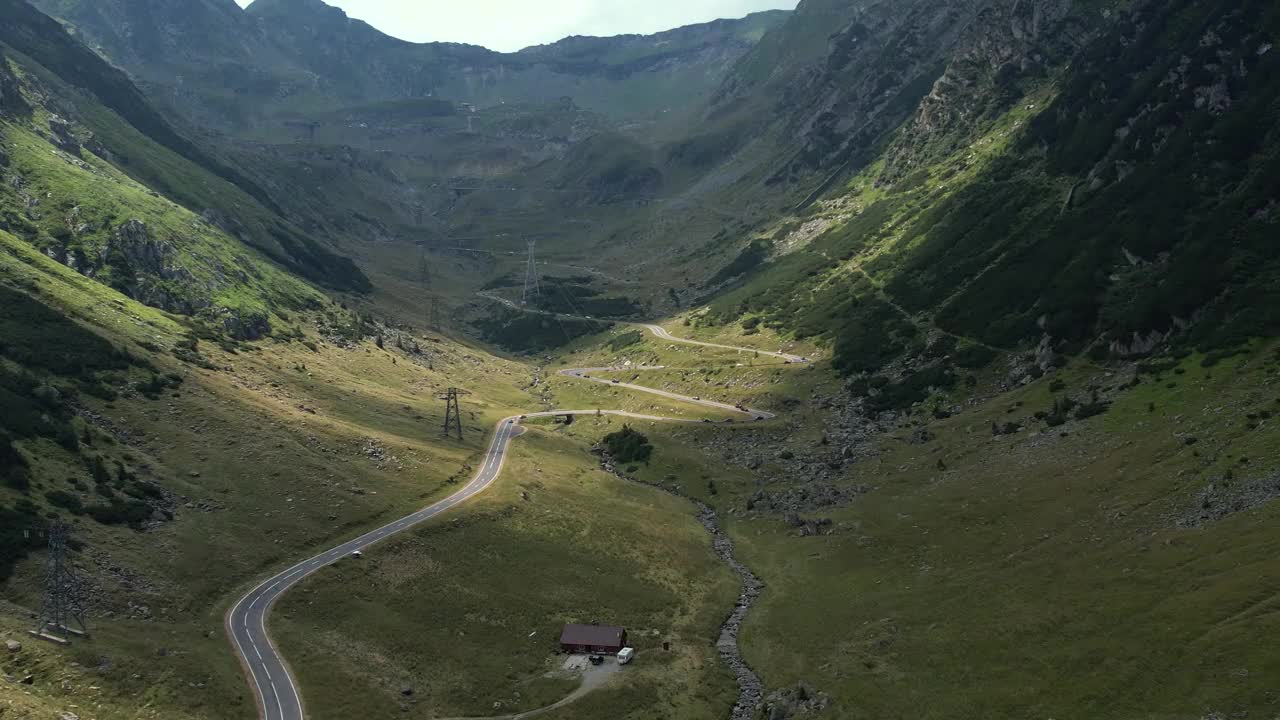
[1007,45]
[840,75]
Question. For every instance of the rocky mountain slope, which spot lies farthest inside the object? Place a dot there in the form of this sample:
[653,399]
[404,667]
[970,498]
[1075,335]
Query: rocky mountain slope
[1026,200]
[246,69]
[1028,243]
[89,107]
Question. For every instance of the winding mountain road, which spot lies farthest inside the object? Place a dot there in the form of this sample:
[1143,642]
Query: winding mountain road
[274,686]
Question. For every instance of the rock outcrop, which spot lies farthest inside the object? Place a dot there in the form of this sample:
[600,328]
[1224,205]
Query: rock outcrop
[154,274]
[1006,42]
[62,135]
[11,101]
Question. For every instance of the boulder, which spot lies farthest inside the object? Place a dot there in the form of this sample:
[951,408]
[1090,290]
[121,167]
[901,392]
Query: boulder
[12,646]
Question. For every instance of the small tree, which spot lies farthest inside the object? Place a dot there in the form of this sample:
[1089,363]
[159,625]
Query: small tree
[13,466]
[628,446]
[99,470]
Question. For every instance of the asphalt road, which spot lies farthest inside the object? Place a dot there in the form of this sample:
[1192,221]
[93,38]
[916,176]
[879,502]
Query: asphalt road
[273,684]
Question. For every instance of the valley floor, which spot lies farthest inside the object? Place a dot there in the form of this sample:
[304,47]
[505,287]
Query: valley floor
[1118,566]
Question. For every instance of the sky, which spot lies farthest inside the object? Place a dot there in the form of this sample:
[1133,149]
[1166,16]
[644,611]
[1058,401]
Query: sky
[509,25]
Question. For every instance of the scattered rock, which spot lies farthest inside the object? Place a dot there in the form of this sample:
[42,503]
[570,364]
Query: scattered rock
[750,687]
[12,646]
[797,702]
[1223,499]
[921,436]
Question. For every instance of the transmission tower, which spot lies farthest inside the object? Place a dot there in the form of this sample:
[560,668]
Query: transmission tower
[64,592]
[531,287]
[433,316]
[452,412]
[424,268]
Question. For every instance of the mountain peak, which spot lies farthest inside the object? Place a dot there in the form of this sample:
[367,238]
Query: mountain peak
[266,8]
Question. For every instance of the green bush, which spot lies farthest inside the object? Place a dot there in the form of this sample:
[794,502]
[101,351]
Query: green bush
[911,389]
[121,512]
[14,542]
[65,500]
[626,339]
[628,446]
[1093,408]
[869,335]
[13,466]
[972,357]
[1060,412]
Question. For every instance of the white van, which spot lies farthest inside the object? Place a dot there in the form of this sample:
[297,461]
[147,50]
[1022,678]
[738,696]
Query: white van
[625,655]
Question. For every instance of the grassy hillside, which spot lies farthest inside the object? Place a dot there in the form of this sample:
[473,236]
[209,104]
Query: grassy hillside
[928,563]
[254,454]
[488,592]
[67,79]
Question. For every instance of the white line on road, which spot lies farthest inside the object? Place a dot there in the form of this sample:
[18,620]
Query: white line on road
[495,457]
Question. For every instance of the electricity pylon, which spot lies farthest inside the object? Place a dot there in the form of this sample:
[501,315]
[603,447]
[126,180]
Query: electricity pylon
[531,287]
[452,412]
[64,592]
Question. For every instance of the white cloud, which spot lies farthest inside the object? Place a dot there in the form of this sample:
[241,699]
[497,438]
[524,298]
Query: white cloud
[512,24]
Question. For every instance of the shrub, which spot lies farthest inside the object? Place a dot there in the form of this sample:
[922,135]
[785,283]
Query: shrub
[13,466]
[121,512]
[972,357]
[65,500]
[628,446]
[1060,412]
[626,339]
[1094,407]
[912,389]
[68,439]
[98,468]
[14,542]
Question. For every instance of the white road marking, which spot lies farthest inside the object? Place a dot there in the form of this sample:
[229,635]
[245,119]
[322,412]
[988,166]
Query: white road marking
[494,459]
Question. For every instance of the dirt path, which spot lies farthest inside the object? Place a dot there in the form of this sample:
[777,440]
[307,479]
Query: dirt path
[592,679]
